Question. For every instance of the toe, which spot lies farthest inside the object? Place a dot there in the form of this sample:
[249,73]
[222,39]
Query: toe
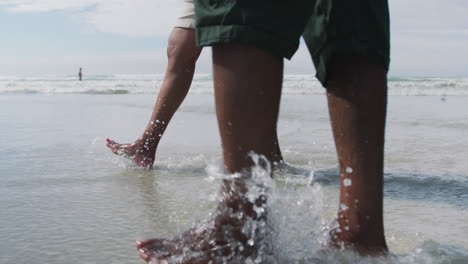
[145,242]
[109,143]
[144,256]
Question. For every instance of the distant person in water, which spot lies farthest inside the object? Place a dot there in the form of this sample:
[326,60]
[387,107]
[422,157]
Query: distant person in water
[182,54]
[350,46]
[80,75]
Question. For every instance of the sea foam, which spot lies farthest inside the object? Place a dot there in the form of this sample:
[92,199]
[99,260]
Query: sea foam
[203,84]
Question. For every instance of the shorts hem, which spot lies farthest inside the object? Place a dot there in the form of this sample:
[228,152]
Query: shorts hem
[188,23]
[210,35]
[323,58]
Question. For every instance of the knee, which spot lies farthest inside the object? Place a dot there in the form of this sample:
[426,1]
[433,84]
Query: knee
[353,75]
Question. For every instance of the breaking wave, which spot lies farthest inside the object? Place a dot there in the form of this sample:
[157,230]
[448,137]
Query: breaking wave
[203,84]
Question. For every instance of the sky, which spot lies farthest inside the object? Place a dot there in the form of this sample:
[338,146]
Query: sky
[429,38]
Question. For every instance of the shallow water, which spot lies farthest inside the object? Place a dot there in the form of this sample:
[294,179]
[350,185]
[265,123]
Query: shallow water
[65,198]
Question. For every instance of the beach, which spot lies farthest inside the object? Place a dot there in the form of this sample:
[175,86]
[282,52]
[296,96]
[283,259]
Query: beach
[65,198]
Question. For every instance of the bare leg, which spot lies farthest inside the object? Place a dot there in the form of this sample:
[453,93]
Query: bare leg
[357,98]
[247,91]
[182,55]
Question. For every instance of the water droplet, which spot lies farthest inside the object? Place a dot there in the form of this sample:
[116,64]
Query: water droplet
[346,228]
[250,242]
[343,207]
[347,182]
[349,170]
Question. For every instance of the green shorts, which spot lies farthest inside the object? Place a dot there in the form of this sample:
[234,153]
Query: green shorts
[328,27]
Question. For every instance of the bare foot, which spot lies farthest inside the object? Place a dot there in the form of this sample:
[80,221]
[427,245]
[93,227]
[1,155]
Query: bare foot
[141,154]
[234,235]
[190,247]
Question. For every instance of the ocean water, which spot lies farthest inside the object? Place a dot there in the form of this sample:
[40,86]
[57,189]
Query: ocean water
[65,198]
[202,84]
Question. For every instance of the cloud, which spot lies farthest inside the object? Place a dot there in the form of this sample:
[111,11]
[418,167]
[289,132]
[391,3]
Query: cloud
[45,5]
[119,17]
[429,37]
[135,17]
[156,17]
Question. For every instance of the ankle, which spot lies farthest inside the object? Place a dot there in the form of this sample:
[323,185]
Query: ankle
[365,240]
[147,142]
[356,228]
